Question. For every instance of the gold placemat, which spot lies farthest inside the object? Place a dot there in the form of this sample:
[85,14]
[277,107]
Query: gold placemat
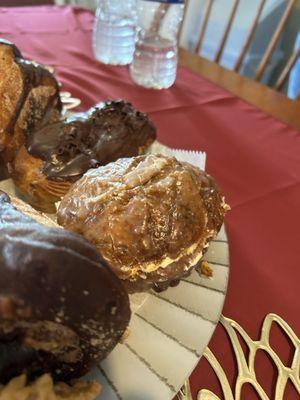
[246,365]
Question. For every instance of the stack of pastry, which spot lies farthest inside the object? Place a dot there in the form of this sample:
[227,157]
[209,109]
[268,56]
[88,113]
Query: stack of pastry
[58,154]
[150,217]
[62,309]
[46,154]
[132,222]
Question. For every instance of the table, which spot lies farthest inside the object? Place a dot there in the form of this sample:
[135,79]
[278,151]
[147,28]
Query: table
[254,157]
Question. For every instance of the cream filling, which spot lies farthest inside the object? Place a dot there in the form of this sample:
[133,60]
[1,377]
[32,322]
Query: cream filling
[151,267]
[164,263]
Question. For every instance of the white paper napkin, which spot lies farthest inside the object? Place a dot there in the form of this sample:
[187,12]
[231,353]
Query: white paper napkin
[196,158]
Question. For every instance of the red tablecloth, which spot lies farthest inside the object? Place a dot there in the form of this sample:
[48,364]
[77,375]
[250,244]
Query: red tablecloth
[255,159]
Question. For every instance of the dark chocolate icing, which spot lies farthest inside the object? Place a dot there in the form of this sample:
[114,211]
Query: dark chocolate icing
[105,133]
[33,75]
[61,309]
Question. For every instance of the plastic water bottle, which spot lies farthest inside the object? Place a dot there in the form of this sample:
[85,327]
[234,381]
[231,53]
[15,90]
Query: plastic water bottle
[155,58]
[115,31]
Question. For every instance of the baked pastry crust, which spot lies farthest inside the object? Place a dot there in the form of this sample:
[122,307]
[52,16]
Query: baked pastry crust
[29,98]
[43,388]
[40,192]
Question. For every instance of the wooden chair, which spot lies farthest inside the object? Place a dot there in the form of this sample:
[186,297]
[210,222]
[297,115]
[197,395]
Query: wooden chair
[270,49]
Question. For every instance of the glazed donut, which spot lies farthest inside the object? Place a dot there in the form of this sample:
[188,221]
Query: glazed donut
[151,217]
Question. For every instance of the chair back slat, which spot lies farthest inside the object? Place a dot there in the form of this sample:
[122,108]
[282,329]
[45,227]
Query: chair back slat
[285,73]
[249,37]
[227,30]
[203,25]
[263,64]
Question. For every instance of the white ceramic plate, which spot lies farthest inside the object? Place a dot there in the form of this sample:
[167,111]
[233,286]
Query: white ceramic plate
[168,331]
[168,335]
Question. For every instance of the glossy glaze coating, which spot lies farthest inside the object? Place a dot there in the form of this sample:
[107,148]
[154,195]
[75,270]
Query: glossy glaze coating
[151,217]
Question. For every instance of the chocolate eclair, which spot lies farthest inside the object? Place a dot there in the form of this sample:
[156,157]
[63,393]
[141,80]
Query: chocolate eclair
[29,98]
[151,217]
[58,154]
[62,310]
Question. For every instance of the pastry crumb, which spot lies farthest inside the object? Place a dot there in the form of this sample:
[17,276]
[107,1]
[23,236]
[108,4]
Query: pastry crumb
[205,270]
[124,337]
[43,388]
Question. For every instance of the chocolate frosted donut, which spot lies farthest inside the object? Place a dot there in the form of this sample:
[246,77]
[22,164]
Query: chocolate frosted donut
[58,154]
[61,309]
[151,217]
[105,133]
